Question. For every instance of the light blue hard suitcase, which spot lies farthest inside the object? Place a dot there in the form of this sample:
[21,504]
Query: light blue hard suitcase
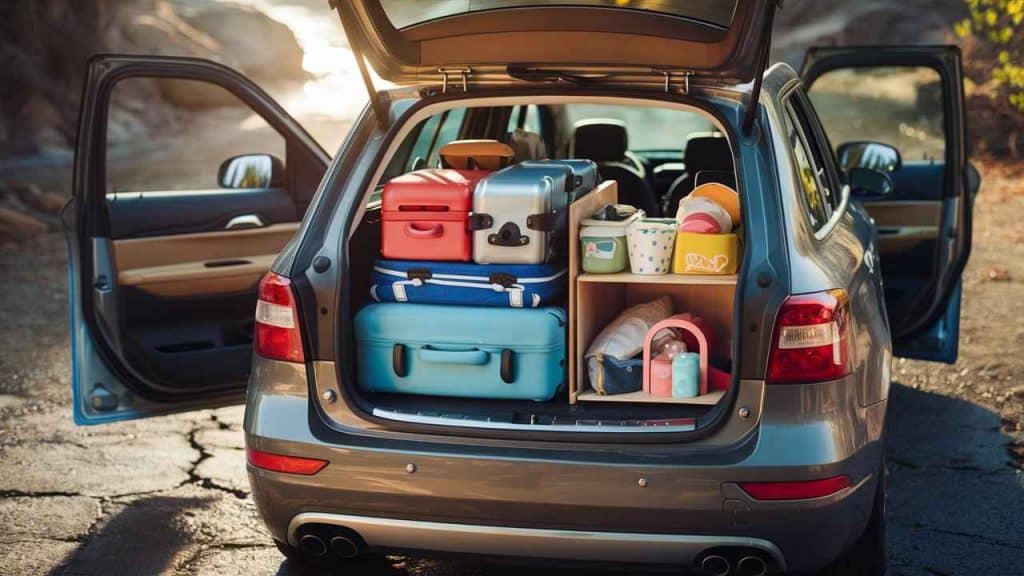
[495,353]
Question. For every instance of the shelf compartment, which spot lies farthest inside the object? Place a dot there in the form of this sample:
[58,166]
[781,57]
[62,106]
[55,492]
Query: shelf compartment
[675,279]
[709,399]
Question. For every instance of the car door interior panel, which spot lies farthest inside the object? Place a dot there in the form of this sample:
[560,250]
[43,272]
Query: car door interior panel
[173,274]
[162,213]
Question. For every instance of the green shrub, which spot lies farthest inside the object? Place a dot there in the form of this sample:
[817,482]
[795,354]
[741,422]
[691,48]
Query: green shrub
[997,22]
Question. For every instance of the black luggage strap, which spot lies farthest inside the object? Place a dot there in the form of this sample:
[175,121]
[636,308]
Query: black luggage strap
[480,221]
[507,374]
[421,274]
[545,222]
[509,236]
[503,279]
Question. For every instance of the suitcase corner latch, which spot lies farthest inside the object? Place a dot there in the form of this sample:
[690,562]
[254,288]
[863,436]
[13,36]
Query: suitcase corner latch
[480,221]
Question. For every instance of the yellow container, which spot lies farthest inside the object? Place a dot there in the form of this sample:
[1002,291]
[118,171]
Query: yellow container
[706,253]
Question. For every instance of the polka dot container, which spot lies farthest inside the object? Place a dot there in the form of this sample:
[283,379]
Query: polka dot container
[650,242]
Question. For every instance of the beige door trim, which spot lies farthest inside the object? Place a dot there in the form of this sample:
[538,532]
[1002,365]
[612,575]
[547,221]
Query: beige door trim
[904,225]
[199,264]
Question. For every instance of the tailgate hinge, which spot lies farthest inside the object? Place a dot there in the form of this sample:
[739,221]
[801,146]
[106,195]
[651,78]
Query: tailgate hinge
[668,80]
[463,74]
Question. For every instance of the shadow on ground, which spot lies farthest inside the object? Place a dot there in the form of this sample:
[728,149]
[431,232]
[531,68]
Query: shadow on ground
[145,537]
[955,500]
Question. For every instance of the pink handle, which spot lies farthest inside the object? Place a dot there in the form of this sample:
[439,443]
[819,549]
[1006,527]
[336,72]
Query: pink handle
[677,321]
[414,230]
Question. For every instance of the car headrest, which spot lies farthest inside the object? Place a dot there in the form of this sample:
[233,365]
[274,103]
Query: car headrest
[708,153]
[600,140]
[526,145]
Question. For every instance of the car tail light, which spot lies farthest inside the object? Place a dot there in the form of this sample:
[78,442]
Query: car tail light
[282,463]
[795,490]
[810,342]
[277,320]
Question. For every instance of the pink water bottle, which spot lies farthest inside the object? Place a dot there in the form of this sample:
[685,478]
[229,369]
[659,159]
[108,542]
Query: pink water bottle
[661,376]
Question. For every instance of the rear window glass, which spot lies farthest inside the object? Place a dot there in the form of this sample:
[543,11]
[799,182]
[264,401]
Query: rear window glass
[404,13]
[647,127]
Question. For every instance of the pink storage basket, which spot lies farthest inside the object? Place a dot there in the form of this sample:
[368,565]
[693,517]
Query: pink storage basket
[688,324]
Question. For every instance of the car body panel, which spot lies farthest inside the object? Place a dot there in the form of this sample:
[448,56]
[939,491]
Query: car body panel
[819,428]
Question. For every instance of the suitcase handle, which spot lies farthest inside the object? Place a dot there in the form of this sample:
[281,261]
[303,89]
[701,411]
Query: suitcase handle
[473,357]
[416,230]
[507,375]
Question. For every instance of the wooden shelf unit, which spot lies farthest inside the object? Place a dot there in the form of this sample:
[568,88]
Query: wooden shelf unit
[596,299]
[709,399]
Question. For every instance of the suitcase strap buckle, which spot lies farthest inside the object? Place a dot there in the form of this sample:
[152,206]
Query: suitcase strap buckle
[545,222]
[480,221]
[421,274]
[503,279]
[509,236]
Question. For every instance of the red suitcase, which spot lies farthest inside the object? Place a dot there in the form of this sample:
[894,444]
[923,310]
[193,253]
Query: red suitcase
[425,214]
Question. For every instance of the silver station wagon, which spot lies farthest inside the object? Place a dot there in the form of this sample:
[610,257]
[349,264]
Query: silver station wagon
[853,225]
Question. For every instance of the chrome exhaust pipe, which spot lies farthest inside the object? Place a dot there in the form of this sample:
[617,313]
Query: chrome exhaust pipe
[344,547]
[751,566]
[715,565]
[312,545]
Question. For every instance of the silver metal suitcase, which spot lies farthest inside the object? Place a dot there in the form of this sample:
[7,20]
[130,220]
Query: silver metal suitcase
[585,174]
[516,212]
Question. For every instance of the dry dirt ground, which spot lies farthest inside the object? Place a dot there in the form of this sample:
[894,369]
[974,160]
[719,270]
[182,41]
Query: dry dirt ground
[169,495]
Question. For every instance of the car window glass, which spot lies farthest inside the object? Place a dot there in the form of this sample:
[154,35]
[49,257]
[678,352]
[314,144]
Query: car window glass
[450,128]
[897,105]
[529,116]
[421,149]
[168,134]
[820,154]
[648,127]
[807,174]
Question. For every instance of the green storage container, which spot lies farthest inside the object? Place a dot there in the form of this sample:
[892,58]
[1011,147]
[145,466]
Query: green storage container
[604,249]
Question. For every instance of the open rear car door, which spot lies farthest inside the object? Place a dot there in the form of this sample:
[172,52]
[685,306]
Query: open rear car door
[165,249]
[911,99]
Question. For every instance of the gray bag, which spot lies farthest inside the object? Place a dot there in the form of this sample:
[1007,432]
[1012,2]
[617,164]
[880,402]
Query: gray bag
[516,212]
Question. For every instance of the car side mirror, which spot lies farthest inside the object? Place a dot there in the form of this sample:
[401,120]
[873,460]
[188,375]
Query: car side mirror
[872,155]
[251,171]
[866,182]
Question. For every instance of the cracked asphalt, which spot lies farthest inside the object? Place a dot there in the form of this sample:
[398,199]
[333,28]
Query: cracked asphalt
[169,495]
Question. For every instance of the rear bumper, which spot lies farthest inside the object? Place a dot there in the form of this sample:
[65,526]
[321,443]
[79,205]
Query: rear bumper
[661,504]
[546,521]
[567,545]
